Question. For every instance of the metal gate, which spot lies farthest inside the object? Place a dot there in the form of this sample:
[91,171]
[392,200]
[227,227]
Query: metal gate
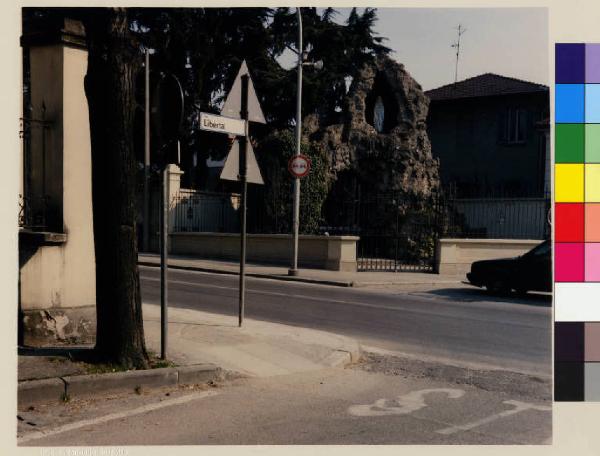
[394,253]
[397,233]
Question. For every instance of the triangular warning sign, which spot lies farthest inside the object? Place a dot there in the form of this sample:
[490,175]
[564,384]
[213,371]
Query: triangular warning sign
[231,169]
[233,104]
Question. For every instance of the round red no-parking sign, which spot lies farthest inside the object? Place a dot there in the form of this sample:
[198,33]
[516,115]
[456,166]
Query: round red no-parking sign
[299,165]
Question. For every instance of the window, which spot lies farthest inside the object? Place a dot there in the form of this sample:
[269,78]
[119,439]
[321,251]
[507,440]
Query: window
[513,126]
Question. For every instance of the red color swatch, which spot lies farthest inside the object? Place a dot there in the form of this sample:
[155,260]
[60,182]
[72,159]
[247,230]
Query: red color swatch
[570,222]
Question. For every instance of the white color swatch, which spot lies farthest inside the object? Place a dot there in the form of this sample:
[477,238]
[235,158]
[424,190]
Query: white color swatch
[577,302]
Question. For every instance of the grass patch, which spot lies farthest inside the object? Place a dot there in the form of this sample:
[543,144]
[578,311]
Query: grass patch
[103,368]
[158,363]
[91,363]
[155,362]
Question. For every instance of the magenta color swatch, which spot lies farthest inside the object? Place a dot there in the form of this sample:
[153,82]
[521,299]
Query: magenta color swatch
[592,63]
[592,262]
[569,262]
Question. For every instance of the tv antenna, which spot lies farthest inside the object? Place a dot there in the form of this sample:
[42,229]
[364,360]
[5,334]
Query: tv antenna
[461,31]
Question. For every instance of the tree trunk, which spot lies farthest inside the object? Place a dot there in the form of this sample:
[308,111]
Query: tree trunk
[109,87]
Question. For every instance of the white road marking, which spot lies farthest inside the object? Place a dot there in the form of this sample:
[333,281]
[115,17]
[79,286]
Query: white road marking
[518,407]
[114,416]
[410,309]
[403,405]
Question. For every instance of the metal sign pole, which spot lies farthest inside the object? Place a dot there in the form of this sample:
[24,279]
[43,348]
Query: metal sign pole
[164,239]
[243,151]
[293,271]
[146,209]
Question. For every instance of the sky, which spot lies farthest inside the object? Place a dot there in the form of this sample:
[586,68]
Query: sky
[507,41]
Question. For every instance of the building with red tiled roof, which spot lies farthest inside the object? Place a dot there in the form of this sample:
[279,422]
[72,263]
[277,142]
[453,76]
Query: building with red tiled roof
[486,132]
[485,85]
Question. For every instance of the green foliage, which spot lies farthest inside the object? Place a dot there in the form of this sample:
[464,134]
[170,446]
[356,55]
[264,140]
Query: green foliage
[344,49]
[274,153]
[216,40]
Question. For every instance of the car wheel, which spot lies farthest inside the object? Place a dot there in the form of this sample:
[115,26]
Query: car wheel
[497,286]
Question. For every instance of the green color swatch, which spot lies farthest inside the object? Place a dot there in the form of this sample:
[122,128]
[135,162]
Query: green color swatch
[569,143]
[592,143]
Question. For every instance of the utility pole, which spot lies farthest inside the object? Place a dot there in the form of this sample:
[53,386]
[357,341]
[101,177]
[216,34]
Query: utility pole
[146,209]
[296,217]
[456,45]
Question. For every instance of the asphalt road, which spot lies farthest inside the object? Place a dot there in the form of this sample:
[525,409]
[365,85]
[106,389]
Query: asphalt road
[382,400]
[461,325]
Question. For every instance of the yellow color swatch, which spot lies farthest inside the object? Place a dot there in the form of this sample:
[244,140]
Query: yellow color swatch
[568,183]
[592,183]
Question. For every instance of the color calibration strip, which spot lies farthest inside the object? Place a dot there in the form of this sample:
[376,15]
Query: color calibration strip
[577,223]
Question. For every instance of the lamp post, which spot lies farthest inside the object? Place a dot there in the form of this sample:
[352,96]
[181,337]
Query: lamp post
[146,208]
[164,206]
[146,186]
[293,271]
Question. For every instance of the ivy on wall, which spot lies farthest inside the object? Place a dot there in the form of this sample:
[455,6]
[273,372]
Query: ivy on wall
[273,155]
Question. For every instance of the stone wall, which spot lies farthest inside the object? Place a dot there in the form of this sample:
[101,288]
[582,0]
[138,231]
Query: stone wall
[455,256]
[336,253]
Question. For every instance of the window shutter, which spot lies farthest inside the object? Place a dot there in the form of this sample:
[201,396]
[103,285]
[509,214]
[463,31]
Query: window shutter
[502,127]
[522,126]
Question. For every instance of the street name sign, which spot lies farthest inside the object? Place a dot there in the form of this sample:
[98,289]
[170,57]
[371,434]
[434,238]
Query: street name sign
[240,165]
[221,124]
[299,165]
[233,104]
[231,169]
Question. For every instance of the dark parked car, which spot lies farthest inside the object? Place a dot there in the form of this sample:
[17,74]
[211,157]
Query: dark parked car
[529,272]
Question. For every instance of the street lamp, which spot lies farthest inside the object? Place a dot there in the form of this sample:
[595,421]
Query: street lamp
[146,208]
[164,214]
[293,271]
[146,186]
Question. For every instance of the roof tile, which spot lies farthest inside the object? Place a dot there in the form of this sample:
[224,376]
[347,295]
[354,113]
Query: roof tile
[484,85]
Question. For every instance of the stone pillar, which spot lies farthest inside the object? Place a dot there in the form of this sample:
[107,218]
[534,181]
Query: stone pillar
[174,183]
[57,264]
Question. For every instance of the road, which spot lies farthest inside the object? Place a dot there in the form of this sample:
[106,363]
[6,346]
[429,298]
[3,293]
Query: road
[399,393]
[460,325]
[380,401]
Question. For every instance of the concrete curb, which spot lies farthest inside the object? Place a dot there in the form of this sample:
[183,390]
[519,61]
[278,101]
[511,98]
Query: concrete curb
[343,357]
[32,391]
[335,283]
[60,388]
[409,284]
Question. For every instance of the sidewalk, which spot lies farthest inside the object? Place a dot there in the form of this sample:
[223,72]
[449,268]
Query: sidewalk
[200,345]
[318,276]
[258,349]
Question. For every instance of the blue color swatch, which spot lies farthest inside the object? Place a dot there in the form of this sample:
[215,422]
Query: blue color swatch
[570,102]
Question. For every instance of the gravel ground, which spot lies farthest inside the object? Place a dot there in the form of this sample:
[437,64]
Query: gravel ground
[517,384]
